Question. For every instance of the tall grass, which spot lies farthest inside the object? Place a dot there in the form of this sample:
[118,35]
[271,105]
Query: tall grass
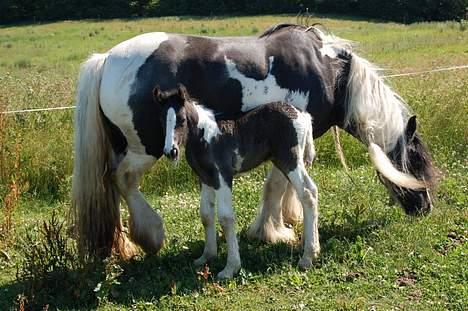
[10,175]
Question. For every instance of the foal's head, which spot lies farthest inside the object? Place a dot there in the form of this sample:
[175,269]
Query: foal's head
[411,155]
[173,118]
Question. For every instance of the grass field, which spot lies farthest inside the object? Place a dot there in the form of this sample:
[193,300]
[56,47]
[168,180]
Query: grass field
[373,256]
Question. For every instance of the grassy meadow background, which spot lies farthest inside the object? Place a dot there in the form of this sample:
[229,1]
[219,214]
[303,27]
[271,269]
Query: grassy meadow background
[373,256]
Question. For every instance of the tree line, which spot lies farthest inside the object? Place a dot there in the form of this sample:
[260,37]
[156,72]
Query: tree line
[405,11]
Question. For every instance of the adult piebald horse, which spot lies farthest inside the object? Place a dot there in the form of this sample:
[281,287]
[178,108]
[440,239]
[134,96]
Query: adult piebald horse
[119,135]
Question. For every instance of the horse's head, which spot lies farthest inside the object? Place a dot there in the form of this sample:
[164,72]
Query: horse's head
[411,156]
[173,118]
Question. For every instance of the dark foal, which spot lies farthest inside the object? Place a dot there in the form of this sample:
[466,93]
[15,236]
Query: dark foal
[217,151]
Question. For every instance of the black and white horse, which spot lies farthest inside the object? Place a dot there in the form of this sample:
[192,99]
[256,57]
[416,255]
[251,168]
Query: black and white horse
[119,135]
[217,151]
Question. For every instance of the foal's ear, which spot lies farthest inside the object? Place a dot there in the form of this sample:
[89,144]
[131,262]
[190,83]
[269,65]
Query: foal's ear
[182,92]
[157,94]
[410,128]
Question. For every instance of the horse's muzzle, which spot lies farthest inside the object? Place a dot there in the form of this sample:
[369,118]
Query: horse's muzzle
[173,154]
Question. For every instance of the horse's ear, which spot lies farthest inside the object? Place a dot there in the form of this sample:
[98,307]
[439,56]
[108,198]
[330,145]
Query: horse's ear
[157,94]
[410,128]
[182,92]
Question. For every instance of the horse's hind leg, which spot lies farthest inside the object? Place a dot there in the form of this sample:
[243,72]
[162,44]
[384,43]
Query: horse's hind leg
[291,207]
[207,214]
[307,193]
[146,226]
[269,225]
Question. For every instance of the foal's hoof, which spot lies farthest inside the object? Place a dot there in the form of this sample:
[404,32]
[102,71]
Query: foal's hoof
[224,275]
[228,273]
[305,263]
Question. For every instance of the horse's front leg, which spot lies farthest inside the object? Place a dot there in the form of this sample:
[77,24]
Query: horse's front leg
[207,214]
[227,220]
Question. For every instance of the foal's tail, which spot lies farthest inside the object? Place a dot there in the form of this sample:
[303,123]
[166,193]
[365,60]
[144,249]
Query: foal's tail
[95,199]
[378,116]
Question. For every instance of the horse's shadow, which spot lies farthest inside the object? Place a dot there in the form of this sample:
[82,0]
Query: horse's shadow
[150,278]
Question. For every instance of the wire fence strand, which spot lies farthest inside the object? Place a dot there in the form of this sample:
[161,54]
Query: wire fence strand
[385,76]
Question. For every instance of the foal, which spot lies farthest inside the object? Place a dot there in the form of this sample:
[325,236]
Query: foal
[217,150]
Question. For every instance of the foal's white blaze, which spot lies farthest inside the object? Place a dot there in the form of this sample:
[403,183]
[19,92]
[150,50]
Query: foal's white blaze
[120,70]
[259,92]
[207,123]
[170,127]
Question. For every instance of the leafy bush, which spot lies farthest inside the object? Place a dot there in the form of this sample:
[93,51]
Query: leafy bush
[411,10]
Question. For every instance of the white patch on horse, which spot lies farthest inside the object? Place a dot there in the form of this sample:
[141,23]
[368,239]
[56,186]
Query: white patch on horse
[329,51]
[120,70]
[170,127]
[332,45]
[207,122]
[259,92]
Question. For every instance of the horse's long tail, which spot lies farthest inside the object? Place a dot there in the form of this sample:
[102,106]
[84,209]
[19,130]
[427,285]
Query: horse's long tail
[378,116]
[95,199]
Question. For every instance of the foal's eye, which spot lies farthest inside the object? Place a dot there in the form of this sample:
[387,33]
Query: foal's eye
[181,121]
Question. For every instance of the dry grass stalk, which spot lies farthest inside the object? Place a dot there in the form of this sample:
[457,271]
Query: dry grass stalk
[10,174]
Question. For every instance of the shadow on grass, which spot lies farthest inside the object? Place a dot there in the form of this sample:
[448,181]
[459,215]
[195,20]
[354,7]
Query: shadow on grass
[172,273]
[152,277]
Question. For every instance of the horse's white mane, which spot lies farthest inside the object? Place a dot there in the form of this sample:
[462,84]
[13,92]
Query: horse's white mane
[332,45]
[378,114]
[373,106]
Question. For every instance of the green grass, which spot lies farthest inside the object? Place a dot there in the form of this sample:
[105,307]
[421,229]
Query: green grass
[373,256]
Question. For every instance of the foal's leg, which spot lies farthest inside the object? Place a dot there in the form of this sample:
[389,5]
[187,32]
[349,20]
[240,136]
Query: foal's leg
[291,207]
[146,226]
[307,193]
[268,225]
[227,220]
[207,214]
